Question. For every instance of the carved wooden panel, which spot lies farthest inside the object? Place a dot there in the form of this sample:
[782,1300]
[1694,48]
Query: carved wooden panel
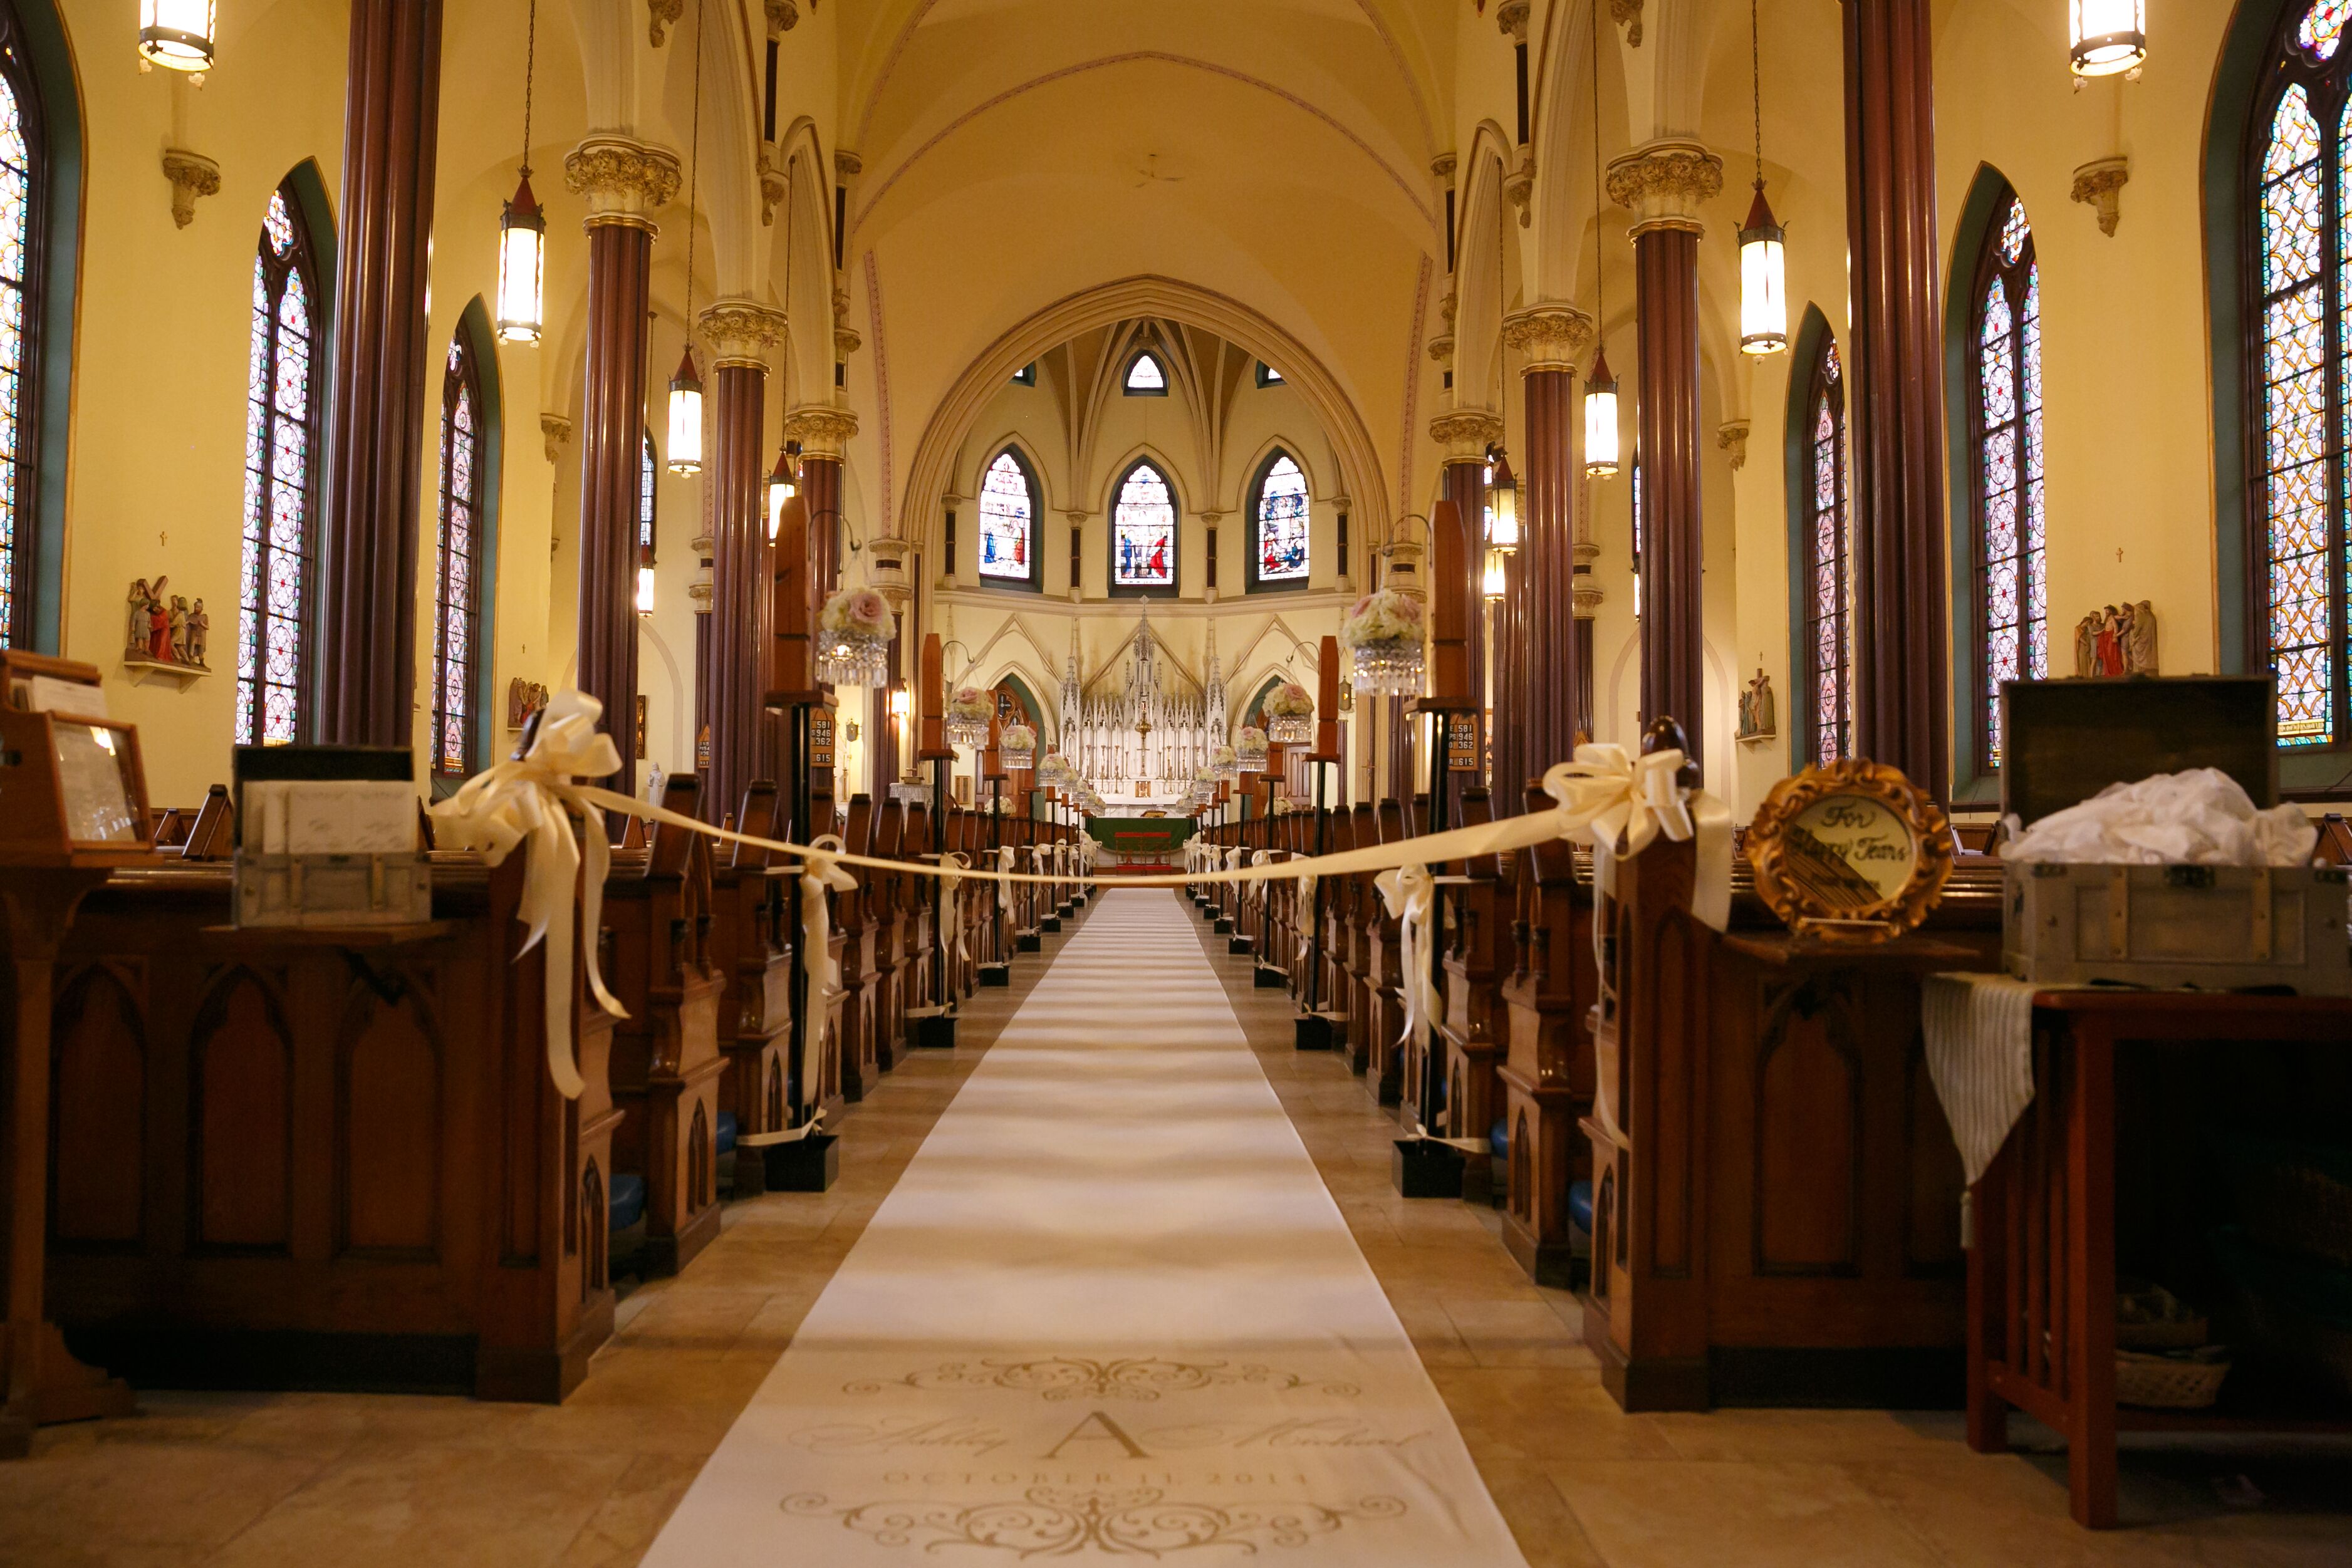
[1806,1198]
[242,1065]
[1673,1116]
[96,1111]
[1933,1236]
[390,1110]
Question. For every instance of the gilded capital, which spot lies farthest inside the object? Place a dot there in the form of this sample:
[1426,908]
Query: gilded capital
[741,331]
[1664,184]
[1548,337]
[1465,432]
[624,180]
[823,429]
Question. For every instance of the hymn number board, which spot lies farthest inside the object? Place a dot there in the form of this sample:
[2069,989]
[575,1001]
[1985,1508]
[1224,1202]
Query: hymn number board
[1853,852]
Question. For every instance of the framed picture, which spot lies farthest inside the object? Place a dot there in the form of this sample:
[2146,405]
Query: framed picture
[1853,852]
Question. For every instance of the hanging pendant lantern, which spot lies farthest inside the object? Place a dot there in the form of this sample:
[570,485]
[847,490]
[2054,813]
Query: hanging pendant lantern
[1763,281]
[686,416]
[645,580]
[1601,420]
[176,35]
[2106,37]
[522,258]
[1502,502]
[1490,585]
[783,484]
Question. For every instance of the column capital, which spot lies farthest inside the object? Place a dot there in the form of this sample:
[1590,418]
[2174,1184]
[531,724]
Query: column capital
[624,180]
[847,165]
[1465,432]
[740,332]
[1443,166]
[1511,20]
[1547,335]
[1663,183]
[823,429]
[555,431]
[783,15]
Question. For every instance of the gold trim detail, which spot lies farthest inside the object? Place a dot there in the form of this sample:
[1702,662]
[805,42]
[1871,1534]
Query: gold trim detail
[823,429]
[1465,432]
[1811,883]
[1548,337]
[740,331]
[1662,185]
[624,180]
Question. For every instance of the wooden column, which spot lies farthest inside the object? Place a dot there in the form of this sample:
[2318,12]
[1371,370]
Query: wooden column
[369,543]
[741,583]
[1548,338]
[1902,683]
[1663,184]
[624,183]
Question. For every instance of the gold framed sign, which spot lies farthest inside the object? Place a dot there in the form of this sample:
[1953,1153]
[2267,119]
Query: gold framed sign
[1853,852]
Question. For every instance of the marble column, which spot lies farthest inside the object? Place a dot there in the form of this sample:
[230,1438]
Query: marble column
[1463,434]
[1548,338]
[624,183]
[1902,683]
[1663,184]
[740,333]
[365,656]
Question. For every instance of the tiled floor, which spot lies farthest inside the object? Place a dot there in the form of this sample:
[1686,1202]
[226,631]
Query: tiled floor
[358,1481]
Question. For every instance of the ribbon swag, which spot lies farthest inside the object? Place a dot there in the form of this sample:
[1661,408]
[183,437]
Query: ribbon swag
[950,865]
[1307,915]
[1006,857]
[529,801]
[820,971]
[1412,898]
[1609,798]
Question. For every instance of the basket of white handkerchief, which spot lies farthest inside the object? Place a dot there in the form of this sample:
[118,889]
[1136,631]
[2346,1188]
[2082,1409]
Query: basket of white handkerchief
[2177,880]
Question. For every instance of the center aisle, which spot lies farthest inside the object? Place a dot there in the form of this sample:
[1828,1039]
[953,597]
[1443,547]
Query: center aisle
[1109,1310]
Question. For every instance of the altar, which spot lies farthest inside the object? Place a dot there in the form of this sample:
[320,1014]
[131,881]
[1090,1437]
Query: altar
[1140,732]
[1149,839]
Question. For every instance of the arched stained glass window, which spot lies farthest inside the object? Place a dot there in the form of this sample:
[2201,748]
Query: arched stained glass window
[1145,378]
[282,387]
[1143,530]
[1008,520]
[458,566]
[2009,639]
[1824,649]
[2301,388]
[648,465]
[22,179]
[1279,524]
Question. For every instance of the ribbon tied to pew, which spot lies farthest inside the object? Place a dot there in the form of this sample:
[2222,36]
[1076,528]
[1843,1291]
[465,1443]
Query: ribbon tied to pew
[1007,856]
[528,800]
[1620,804]
[820,971]
[1411,894]
[1305,922]
[951,866]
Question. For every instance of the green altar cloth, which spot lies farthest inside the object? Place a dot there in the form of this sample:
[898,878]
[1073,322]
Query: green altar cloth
[1156,836]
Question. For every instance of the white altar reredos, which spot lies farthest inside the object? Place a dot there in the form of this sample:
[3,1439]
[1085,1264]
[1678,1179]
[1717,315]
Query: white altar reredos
[1137,730]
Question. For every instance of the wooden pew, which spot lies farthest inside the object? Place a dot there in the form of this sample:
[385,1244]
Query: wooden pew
[886,901]
[1776,1195]
[752,932]
[921,969]
[861,973]
[667,1064]
[1547,1070]
[1383,972]
[1359,902]
[1336,986]
[325,1158]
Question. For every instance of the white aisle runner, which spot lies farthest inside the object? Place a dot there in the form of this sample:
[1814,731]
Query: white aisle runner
[1109,1310]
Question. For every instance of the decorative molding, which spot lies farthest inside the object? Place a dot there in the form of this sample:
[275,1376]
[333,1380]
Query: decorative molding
[1443,166]
[555,434]
[1627,13]
[741,331]
[1446,305]
[846,341]
[1465,432]
[1663,183]
[1511,20]
[1584,588]
[841,301]
[660,16]
[783,17]
[1440,348]
[625,180]
[775,185]
[1548,337]
[2098,184]
[1519,185]
[1732,436]
[192,176]
[823,429]
[847,165]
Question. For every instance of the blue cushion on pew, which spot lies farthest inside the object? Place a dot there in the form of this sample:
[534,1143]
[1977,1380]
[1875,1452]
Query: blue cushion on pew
[1580,1205]
[726,1132]
[628,1200]
[1499,1139]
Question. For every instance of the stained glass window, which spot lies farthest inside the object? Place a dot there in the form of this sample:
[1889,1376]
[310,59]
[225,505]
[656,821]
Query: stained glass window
[281,421]
[1145,378]
[1638,562]
[1143,530]
[1824,649]
[1278,515]
[2009,639]
[458,565]
[648,465]
[21,179]
[1008,520]
[1267,376]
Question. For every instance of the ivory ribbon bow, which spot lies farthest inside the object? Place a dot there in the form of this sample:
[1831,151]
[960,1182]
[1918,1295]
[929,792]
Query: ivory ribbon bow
[1234,857]
[526,801]
[820,972]
[1306,913]
[1006,855]
[1607,795]
[949,882]
[1412,898]
[1257,890]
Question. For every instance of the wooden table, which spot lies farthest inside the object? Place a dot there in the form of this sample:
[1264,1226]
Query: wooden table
[2042,1271]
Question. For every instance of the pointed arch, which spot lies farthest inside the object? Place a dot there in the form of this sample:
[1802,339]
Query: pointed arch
[1145,376]
[1280,510]
[464,551]
[1012,505]
[1146,519]
[1821,653]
